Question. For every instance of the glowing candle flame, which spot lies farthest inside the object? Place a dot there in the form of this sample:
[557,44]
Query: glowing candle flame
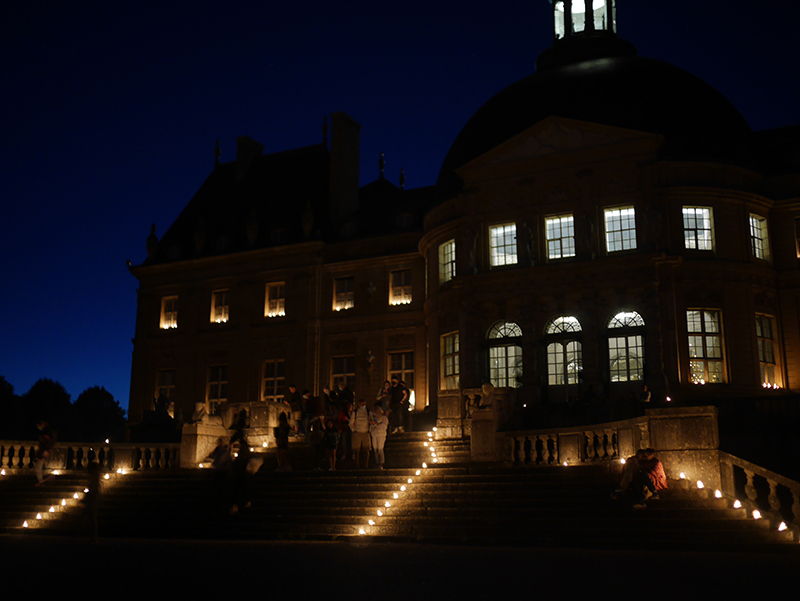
[75,496]
[361,531]
[718,494]
[38,516]
[700,485]
[403,488]
[565,464]
[107,476]
[52,509]
[410,480]
[25,524]
[683,476]
[782,527]
[434,429]
[424,465]
[380,513]
[756,514]
[63,502]
[372,522]
[737,504]
[436,461]
[387,504]
[622,461]
[418,473]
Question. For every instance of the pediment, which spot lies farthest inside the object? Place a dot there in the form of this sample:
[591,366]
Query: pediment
[557,136]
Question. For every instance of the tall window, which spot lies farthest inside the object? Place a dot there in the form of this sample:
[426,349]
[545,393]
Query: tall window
[400,287]
[219,306]
[343,294]
[343,369]
[560,232]
[698,228]
[620,229]
[759,237]
[217,388]
[765,332]
[447,261]
[273,381]
[275,300]
[625,348]
[705,345]
[169,312]
[564,353]
[599,16]
[450,369]
[505,357]
[165,384]
[503,244]
[401,366]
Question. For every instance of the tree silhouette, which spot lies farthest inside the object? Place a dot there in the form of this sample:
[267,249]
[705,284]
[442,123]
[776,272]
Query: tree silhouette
[96,416]
[46,400]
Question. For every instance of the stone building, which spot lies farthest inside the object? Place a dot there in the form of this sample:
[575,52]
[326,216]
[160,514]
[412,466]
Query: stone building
[607,222]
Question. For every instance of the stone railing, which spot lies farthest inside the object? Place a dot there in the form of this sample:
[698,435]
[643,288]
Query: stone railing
[20,456]
[686,440]
[763,489]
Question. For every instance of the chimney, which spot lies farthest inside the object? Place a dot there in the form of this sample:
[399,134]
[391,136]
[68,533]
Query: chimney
[247,149]
[343,185]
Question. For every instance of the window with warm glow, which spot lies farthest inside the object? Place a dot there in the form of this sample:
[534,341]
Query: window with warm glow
[400,287]
[620,229]
[560,232]
[698,228]
[274,303]
[273,380]
[447,261]
[450,367]
[625,347]
[600,17]
[565,351]
[217,388]
[343,369]
[759,237]
[505,355]
[169,312]
[765,332]
[503,245]
[219,306]
[401,366]
[343,294]
[704,327]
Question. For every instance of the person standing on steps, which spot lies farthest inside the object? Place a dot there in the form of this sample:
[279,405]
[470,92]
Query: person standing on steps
[359,424]
[378,424]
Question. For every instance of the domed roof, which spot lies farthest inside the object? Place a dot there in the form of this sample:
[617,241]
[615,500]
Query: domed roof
[697,122]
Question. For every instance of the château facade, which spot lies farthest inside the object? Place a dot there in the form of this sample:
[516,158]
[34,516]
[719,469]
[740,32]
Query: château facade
[607,222]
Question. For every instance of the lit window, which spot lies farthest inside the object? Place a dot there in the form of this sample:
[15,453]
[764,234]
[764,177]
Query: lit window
[565,354]
[759,237]
[219,306]
[705,345]
[698,228]
[620,229]
[765,332]
[169,312]
[599,16]
[626,352]
[273,380]
[450,369]
[503,245]
[505,358]
[400,287]
[560,236]
[447,261]
[401,366]
[343,293]
[274,305]
[217,390]
[343,369]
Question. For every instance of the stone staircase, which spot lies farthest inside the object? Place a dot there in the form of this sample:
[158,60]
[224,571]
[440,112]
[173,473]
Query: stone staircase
[450,502]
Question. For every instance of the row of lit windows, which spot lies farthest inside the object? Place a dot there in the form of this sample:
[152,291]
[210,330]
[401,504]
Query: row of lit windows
[275,299]
[625,350]
[273,381]
[620,235]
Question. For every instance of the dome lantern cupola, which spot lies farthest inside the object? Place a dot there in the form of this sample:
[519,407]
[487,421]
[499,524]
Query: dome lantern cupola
[574,17]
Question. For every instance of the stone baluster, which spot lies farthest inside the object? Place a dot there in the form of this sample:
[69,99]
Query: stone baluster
[588,449]
[774,501]
[162,463]
[552,450]
[749,489]
[614,443]
[518,452]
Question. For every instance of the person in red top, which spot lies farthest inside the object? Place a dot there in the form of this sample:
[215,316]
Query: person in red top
[649,479]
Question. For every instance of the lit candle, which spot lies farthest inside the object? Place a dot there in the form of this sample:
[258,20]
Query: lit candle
[718,494]
[700,484]
[737,504]
[756,514]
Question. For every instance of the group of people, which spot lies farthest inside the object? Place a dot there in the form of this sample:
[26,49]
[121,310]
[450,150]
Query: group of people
[642,478]
[341,428]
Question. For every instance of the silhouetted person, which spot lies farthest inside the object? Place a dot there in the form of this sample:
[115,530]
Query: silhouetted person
[47,440]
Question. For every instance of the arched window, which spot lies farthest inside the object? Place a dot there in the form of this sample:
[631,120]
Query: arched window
[625,347]
[564,352]
[505,356]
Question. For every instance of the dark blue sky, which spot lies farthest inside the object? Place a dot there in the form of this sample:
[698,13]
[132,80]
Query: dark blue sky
[110,112]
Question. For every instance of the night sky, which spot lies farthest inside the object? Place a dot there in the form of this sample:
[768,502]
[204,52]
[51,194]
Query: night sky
[111,109]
